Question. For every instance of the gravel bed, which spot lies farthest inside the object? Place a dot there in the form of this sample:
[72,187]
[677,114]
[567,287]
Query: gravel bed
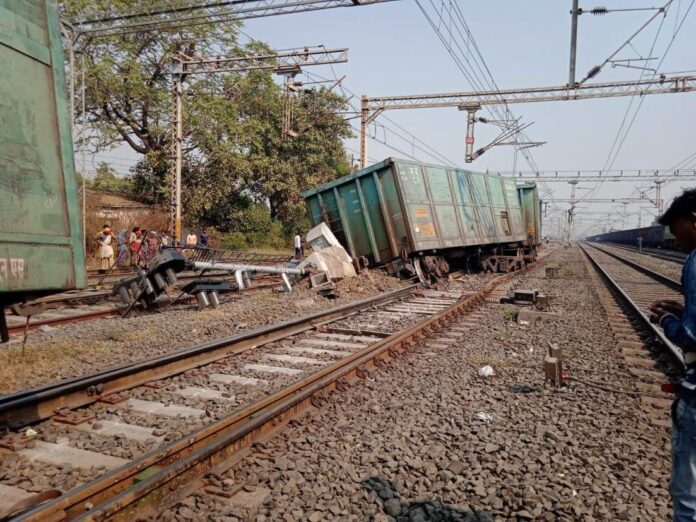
[404,444]
[81,348]
[671,269]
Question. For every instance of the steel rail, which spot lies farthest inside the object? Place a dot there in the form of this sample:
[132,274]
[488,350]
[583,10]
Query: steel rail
[35,404]
[661,278]
[88,316]
[673,350]
[178,468]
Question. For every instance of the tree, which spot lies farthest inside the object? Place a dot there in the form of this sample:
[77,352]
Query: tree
[106,179]
[234,150]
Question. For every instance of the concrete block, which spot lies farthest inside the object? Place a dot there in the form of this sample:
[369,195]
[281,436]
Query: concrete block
[158,408]
[110,428]
[206,394]
[294,359]
[301,350]
[553,371]
[264,368]
[321,237]
[60,455]
[236,379]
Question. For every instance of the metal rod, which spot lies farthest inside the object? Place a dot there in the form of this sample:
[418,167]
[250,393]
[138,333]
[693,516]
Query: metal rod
[235,267]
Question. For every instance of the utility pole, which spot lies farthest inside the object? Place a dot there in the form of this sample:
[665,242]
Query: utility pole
[573,42]
[571,210]
[178,138]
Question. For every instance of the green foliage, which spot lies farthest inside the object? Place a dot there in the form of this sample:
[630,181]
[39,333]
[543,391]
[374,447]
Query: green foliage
[106,180]
[241,173]
[510,314]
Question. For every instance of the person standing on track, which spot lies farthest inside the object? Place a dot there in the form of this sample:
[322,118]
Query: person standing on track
[679,324]
[298,246]
[106,249]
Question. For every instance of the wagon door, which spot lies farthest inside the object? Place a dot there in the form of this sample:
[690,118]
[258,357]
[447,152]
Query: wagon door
[479,192]
[40,240]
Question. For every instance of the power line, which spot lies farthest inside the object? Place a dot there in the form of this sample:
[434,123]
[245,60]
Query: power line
[423,147]
[664,56]
[460,48]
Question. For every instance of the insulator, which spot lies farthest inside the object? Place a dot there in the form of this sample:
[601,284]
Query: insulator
[593,72]
[202,300]
[160,281]
[599,11]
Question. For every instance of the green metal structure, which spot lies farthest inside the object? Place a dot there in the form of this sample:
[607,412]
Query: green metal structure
[400,209]
[41,249]
[531,211]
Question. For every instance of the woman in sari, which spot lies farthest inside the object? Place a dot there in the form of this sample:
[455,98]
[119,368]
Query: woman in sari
[122,260]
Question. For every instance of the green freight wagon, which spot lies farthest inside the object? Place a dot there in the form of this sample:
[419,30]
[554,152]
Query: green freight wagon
[422,218]
[41,250]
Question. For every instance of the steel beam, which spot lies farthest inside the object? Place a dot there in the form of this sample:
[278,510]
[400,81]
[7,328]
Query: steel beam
[662,85]
[279,61]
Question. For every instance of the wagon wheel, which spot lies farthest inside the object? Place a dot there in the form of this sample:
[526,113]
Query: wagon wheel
[474,264]
[423,276]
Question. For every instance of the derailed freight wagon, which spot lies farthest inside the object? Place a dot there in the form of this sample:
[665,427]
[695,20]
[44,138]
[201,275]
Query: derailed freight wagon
[423,218]
[41,249]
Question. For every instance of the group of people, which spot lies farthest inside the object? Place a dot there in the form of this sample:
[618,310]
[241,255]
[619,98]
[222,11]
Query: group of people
[133,248]
[137,246]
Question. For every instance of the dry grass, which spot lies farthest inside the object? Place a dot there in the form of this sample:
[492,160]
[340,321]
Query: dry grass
[14,364]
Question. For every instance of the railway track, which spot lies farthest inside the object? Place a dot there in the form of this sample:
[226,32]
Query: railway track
[637,287]
[239,389]
[88,305]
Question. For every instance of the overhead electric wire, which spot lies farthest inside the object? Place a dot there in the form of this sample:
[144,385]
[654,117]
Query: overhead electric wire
[481,80]
[423,147]
[664,56]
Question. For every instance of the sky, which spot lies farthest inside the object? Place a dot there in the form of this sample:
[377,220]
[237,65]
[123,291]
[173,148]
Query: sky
[393,50]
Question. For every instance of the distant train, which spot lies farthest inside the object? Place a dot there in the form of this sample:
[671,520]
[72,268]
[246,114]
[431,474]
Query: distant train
[657,236]
[422,218]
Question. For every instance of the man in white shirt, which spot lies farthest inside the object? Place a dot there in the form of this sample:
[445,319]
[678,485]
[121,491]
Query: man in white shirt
[298,246]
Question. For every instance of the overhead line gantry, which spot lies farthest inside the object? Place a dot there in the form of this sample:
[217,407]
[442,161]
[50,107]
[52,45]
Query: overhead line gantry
[371,107]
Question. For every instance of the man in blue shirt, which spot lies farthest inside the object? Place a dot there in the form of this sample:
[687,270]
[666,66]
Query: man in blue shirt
[679,324]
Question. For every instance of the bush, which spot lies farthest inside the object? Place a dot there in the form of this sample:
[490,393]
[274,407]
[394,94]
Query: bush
[234,241]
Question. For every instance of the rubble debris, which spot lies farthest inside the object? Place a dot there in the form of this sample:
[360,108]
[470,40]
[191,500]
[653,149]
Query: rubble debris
[483,417]
[486,371]
[328,256]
